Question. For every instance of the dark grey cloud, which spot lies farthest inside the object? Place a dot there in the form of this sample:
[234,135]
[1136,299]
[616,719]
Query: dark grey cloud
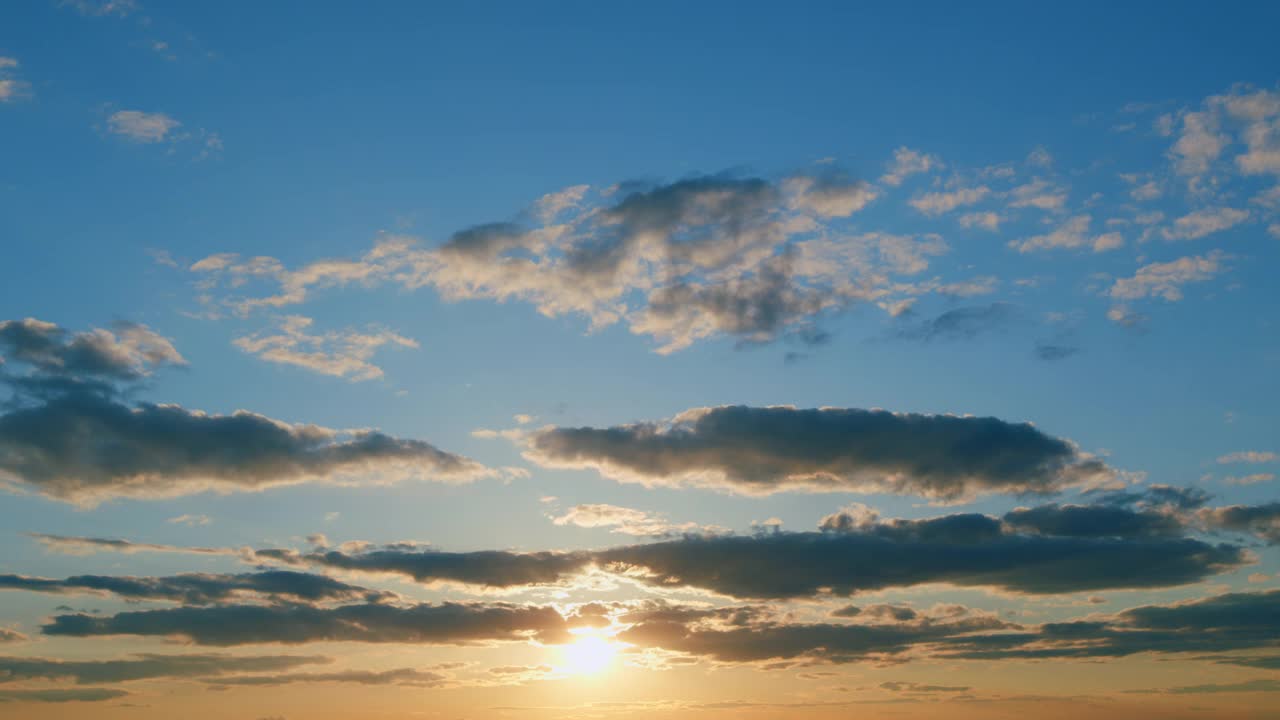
[1051,352]
[410,677]
[61,695]
[752,634]
[964,550]
[486,568]
[1094,521]
[1258,685]
[127,352]
[964,323]
[229,625]
[1221,623]
[1262,521]
[770,449]
[202,588]
[80,545]
[83,447]
[146,667]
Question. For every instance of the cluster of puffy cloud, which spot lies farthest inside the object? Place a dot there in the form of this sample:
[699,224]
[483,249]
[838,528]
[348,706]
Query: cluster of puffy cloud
[748,257]
[68,435]
[760,450]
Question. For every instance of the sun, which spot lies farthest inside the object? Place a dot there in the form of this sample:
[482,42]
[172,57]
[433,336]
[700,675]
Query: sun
[589,654]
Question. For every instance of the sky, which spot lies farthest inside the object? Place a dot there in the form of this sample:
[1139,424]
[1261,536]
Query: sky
[663,360]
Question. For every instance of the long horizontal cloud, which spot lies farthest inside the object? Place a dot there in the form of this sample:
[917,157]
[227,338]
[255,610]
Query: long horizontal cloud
[484,568]
[84,447]
[82,545]
[963,550]
[229,625]
[1218,624]
[759,450]
[61,695]
[410,677]
[147,667]
[1052,549]
[738,635]
[1222,623]
[200,588]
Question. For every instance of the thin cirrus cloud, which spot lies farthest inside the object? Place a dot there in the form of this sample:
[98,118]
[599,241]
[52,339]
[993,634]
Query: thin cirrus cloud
[762,450]
[68,436]
[343,353]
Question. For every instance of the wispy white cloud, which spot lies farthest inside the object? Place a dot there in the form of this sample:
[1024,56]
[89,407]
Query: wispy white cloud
[142,127]
[342,353]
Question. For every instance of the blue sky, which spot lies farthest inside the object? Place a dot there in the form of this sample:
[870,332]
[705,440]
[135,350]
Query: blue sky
[1067,216]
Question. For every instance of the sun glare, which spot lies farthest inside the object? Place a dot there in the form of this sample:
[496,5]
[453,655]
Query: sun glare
[589,654]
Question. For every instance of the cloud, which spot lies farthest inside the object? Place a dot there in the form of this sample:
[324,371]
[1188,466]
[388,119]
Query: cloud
[764,450]
[752,634]
[61,695]
[966,550]
[907,162]
[1259,685]
[483,568]
[1221,623]
[343,353]
[145,667]
[707,256]
[984,220]
[1262,521]
[127,352]
[938,203]
[1199,144]
[407,677]
[75,545]
[11,88]
[1248,456]
[1165,280]
[9,635]
[964,323]
[142,127]
[1094,521]
[230,625]
[1200,223]
[189,520]
[1039,194]
[101,8]
[1072,234]
[828,195]
[1051,352]
[84,448]
[200,588]
[627,521]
